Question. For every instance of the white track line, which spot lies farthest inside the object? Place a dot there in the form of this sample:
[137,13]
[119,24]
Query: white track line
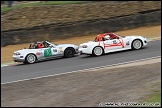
[89,69]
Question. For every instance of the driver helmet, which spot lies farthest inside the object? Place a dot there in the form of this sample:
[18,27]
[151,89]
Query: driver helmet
[39,45]
[107,37]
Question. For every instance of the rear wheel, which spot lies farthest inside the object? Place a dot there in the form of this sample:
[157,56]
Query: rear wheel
[69,52]
[97,51]
[30,58]
[136,44]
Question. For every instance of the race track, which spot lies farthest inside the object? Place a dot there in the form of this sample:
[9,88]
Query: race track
[63,65]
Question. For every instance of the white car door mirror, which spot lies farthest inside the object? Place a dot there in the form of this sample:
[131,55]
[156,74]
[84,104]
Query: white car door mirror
[51,46]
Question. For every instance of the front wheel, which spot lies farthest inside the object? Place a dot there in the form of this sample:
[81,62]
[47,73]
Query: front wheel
[30,58]
[97,51]
[69,52]
[137,44]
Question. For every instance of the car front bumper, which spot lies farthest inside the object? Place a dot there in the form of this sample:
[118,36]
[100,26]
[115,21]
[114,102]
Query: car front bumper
[85,51]
[18,59]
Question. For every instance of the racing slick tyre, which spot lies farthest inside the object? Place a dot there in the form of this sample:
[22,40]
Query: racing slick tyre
[97,51]
[30,58]
[136,44]
[69,52]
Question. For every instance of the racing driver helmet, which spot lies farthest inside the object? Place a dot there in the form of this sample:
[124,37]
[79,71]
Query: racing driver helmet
[39,45]
[107,37]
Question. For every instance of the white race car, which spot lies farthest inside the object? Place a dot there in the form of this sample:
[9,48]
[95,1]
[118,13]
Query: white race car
[111,42]
[39,51]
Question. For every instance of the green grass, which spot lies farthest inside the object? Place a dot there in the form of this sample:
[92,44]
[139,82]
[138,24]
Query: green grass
[19,6]
[153,100]
[156,97]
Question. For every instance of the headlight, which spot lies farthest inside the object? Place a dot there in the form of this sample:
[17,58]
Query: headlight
[17,53]
[84,46]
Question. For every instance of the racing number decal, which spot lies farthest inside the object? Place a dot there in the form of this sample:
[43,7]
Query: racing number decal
[114,42]
[47,52]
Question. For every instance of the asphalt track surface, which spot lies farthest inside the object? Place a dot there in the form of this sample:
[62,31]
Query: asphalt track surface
[62,65]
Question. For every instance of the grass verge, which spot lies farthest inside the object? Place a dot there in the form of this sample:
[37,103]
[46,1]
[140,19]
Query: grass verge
[154,97]
[19,6]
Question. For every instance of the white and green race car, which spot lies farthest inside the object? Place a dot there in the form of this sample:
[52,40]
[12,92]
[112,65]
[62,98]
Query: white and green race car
[47,51]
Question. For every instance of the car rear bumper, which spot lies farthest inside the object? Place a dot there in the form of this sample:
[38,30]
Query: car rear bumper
[145,42]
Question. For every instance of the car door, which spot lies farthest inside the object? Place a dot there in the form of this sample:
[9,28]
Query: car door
[50,51]
[44,53]
[127,42]
[54,51]
[113,44]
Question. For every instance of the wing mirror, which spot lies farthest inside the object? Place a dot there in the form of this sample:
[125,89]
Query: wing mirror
[51,46]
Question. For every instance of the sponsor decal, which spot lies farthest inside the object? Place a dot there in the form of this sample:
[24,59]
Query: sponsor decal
[47,52]
[61,49]
[54,50]
[38,53]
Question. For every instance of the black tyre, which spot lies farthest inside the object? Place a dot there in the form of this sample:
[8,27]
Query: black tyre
[69,52]
[30,58]
[136,44]
[97,51]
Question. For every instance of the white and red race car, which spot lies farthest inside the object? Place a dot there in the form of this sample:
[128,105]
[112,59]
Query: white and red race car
[111,42]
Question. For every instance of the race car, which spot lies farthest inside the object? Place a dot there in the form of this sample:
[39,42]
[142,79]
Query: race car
[39,51]
[111,42]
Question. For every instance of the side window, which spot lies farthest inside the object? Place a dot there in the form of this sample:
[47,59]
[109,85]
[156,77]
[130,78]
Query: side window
[36,46]
[103,38]
[46,45]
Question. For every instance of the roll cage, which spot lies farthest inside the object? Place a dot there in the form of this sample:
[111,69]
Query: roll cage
[101,37]
[34,45]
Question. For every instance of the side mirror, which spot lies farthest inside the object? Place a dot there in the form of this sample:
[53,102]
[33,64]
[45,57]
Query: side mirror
[51,46]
